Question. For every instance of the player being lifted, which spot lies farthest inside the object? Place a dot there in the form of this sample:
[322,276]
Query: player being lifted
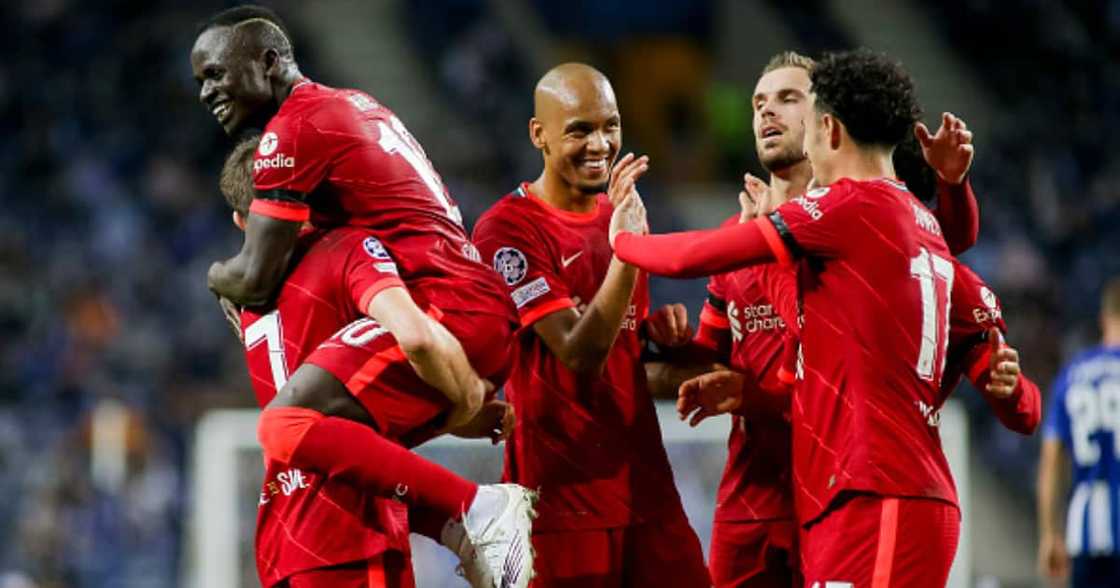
[340,158]
[587,433]
[303,536]
[866,455]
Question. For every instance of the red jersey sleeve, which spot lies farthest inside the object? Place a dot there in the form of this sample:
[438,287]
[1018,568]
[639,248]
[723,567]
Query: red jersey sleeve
[522,257]
[958,214]
[714,331]
[368,270]
[292,155]
[817,222]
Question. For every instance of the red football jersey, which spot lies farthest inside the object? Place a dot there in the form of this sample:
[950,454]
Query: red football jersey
[875,302]
[359,166]
[307,521]
[756,481]
[592,444]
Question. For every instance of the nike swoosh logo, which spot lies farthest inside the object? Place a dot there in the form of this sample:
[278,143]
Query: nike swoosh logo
[566,261]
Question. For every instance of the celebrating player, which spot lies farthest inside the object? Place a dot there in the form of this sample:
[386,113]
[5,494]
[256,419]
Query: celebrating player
[866,457]
[339,158]
[303,536]
[1083,427]
[587,433]
[748,318]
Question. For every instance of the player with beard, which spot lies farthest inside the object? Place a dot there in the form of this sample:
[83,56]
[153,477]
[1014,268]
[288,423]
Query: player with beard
[587,432]
[866,455]
[338,157]
[744,325]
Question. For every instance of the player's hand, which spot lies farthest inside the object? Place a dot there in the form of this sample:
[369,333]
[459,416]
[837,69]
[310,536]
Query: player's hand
[668,326]
[624,176]
[949,152]
[232,313]
[1053,560]
[1004,366]
[710,394]
[754,200]
[628,217]
[495,421]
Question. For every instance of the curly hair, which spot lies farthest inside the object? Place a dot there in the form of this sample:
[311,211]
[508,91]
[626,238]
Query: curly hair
[236,180]
[870,93]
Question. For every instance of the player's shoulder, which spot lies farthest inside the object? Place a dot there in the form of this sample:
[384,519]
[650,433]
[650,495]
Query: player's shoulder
[515,209]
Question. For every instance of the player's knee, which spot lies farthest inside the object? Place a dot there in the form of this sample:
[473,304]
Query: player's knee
[280,430]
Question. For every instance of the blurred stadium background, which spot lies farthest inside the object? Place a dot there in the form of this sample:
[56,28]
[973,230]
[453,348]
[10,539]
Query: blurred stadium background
[112,349]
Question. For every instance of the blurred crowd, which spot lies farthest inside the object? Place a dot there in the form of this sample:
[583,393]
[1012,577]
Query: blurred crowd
[111,218]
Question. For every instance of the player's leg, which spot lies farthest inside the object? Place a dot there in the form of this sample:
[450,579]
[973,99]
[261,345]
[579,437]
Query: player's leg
[664,553]
[293,430]
[751,554]
[880,541]
[578,559]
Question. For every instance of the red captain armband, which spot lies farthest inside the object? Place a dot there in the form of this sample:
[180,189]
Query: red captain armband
[297,212]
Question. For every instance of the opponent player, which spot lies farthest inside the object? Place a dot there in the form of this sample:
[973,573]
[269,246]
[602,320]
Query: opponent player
[587,433]
[321,531]
[745,322]
[1084,424]
[866,460]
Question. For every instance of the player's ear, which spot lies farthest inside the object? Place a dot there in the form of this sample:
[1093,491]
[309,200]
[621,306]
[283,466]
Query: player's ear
[833,130]
[238,220]
[536,134]
[271,60]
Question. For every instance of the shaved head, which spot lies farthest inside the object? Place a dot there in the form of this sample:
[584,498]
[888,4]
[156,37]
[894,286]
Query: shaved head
[568,85]
[576,126]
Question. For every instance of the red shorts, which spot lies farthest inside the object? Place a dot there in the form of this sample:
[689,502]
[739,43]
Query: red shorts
[652,554]
[753,554]
[392,569]
[366,358]
[877,541]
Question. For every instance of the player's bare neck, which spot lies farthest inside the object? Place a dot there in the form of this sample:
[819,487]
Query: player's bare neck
[286,81]
[1111,335]
[790,182]
[559,194]
[863,164]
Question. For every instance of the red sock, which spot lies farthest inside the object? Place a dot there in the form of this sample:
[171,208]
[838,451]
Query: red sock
[356,453]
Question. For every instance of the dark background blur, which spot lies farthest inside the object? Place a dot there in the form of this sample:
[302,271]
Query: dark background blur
[111,214]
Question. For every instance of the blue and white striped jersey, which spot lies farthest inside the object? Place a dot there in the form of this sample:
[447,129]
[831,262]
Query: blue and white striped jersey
[1085,416]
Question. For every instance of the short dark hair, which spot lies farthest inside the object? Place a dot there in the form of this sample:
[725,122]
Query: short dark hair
[871,94]
[248,14]
[236,181]
[911,168]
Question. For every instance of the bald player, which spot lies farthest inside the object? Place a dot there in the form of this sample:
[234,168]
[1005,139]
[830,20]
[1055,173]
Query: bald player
[587,433]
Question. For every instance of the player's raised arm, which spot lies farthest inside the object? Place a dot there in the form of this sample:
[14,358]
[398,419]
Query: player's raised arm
[691,254]
[582,341]
[949,152]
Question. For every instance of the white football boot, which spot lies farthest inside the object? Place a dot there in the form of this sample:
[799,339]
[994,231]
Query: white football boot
[493,539]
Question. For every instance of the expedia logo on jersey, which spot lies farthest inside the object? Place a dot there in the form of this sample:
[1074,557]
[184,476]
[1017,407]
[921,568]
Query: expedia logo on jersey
[752,319]
[812,207]
[277,161]
[265,149]
[286,482]
[991,314]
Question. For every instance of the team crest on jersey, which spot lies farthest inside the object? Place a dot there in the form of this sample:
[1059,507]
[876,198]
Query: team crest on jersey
[375,249]
[512,264]
[817,192]
[269,142]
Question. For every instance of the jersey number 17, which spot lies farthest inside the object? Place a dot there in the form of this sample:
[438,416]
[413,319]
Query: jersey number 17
[935,281]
